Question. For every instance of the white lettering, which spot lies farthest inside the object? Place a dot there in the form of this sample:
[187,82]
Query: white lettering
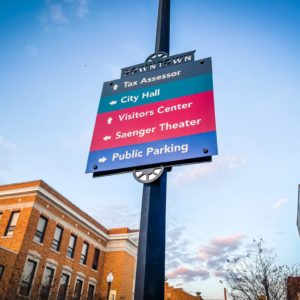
[179,106]
[160,77]
[166,149]
[187,123]
[127,99]
[127,155]
[139,133]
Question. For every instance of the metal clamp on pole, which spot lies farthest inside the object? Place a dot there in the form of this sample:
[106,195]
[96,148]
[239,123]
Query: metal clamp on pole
[148,175]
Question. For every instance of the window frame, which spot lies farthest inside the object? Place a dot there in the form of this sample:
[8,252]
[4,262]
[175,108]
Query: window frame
[10,229]
[81,289]
[57,243]
[31,281]
[52,279]
[67,287]
[2,269]
[40,234]
[84,256]
[94,291]
[95,266]
[74,246]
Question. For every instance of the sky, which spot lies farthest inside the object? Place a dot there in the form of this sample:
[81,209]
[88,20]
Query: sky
[55,56]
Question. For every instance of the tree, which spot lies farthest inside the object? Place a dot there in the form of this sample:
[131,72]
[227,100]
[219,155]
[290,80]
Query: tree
[256,276]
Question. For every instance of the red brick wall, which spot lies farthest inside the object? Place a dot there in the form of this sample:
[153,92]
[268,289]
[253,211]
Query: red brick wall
[8,260]
[14,243]
[172,293]
[293,288]
[121,264]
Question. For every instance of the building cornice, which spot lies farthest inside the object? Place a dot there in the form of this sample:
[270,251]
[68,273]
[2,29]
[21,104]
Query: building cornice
[128,238]
[66,209]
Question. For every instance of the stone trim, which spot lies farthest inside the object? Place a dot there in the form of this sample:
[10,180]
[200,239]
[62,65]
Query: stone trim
[130,245]
[8,250]
[66,225]
[49,196]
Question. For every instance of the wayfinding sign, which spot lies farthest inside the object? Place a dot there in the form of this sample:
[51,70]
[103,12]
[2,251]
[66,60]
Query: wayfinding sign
[155,116]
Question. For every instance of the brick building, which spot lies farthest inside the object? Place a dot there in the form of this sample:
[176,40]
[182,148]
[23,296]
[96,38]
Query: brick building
[51,249]
[293,288]
[172,293]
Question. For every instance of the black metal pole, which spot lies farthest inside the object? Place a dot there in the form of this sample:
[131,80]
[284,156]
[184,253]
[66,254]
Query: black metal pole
[163,27]
[150,272]
[108,290]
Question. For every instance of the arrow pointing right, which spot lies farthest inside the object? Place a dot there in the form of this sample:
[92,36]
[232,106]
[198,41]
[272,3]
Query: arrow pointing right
[102,159]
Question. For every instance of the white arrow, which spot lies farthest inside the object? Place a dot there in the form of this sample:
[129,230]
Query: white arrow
[113,102]
[106,138]
[102,159]
[109,120]
[115,87]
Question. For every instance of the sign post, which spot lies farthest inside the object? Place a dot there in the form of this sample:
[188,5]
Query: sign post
[157,115]
[150,271]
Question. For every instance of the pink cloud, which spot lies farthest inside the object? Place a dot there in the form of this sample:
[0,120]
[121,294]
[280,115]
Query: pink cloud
[188,274]
[220,246]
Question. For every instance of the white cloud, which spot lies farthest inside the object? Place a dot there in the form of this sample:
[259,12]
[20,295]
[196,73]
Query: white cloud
[31,50]
[188,274]
[224,164]
[82,9]
[117,215]
[61,12]
[57,15]
[278,204]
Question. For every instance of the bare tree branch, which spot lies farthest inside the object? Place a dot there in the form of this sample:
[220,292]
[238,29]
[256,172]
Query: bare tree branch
[256,274]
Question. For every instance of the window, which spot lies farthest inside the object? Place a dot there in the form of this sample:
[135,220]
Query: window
[12,223]
[40,230]
[46,283]
[96,259]
[91,291]
[78,289]
[27,277]
[1,271]
[84,253]
[57,238]
[63,287]
[72,245]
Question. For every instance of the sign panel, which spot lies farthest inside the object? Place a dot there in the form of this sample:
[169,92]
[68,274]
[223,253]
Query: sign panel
[156,118]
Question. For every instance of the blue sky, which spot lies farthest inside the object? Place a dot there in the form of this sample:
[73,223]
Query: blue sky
[55,55]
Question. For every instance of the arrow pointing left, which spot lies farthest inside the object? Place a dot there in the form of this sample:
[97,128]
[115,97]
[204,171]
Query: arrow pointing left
[106,138]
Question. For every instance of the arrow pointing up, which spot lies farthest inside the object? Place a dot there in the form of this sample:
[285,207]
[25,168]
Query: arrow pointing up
[102,159]
[115,87]
[109,120]
[113,102]
[106,138]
